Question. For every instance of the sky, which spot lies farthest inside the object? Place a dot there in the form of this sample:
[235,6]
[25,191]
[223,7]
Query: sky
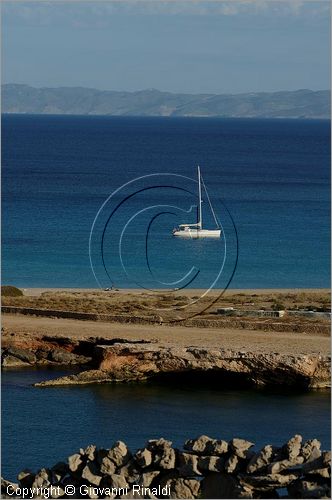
[186,46]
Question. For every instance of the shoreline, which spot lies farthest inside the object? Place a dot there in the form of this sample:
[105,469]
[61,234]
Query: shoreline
[33,291]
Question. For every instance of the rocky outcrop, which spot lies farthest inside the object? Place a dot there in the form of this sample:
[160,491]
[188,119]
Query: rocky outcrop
[24,352]
[134,362]
[205,468]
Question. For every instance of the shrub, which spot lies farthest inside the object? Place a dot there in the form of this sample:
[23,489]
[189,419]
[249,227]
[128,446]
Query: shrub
[278,306]
[11,291]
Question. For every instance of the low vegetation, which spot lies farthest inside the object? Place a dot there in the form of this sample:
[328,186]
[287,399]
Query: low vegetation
[146,304]
[11,291]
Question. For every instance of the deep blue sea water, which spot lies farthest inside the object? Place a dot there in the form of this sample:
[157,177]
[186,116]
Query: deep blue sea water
[272,175]
[41,426]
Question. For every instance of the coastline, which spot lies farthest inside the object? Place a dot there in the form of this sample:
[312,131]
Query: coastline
[187,291]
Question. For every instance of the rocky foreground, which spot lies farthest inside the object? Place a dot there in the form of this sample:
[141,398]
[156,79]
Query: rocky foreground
[120,360]
[205,468]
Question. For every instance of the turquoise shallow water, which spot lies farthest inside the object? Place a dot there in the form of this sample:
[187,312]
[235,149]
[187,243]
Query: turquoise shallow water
[42,426]
[272,175]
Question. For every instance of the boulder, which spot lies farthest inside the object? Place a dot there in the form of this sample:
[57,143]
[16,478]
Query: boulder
[219,486]
[280,465]
[107,466]
[143,457]
[147,478]
[188,465]
[8,361]
[267,482]
[184,488]
[119,454]
[75,462]
[130,472]
[204,445]
[309,447]
[309,489]
[8,489]
[90,452]
[26,478]
[240,447]
[322,461]
[324,472]
[63,357]
[231,464]
[23,354]
[92,474]
[162,452]
[260,460]
[42,479]
[293,447]
[211,464]
[116,481]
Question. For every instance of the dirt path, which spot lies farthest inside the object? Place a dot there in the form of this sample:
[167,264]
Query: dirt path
[283,343]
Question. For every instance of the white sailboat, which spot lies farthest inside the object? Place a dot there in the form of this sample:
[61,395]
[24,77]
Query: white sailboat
[196,230]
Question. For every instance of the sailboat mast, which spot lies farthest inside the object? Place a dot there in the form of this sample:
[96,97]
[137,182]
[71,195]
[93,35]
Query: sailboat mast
[200,199]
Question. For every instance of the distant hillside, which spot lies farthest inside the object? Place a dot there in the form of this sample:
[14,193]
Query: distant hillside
[83,101]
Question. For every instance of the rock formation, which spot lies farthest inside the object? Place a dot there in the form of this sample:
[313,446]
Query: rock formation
[205,468]
[125,362]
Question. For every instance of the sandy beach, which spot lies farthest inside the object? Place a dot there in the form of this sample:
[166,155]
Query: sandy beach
[237,339]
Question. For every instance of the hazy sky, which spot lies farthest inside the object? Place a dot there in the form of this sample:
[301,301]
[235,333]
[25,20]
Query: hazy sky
[179,46]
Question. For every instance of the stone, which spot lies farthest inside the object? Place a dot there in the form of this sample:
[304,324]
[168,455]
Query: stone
[117,481]
[92,474]
[60,467]
[309,447]
[217,447]
[130,472]
[107,466]
[62,356]
[219,486]
[204,445]
[8,489]
[231,464]
[240,446]
[26,478]
[324,472]
[278,466]
[326,458]
[42,479]
[75,462]
[184,488]
[260,460]
[188,465]
[143,457]
[268,481]
[119,454]
[23,354]
[308,489]
[322,461]
[42,354]
[90,452]
[8,361]
[147,478]
[293,447]
[211,464]
[162,452]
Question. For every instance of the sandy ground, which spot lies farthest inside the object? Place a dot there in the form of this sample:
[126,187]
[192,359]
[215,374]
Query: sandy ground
[246,340]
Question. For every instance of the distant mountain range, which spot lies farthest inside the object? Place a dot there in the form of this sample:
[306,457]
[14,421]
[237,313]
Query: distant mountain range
[17,98]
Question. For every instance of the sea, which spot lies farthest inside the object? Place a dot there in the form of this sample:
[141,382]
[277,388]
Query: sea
[42,426]
[92,201]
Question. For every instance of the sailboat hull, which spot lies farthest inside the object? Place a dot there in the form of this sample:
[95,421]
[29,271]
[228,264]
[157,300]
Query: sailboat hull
[197,233]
